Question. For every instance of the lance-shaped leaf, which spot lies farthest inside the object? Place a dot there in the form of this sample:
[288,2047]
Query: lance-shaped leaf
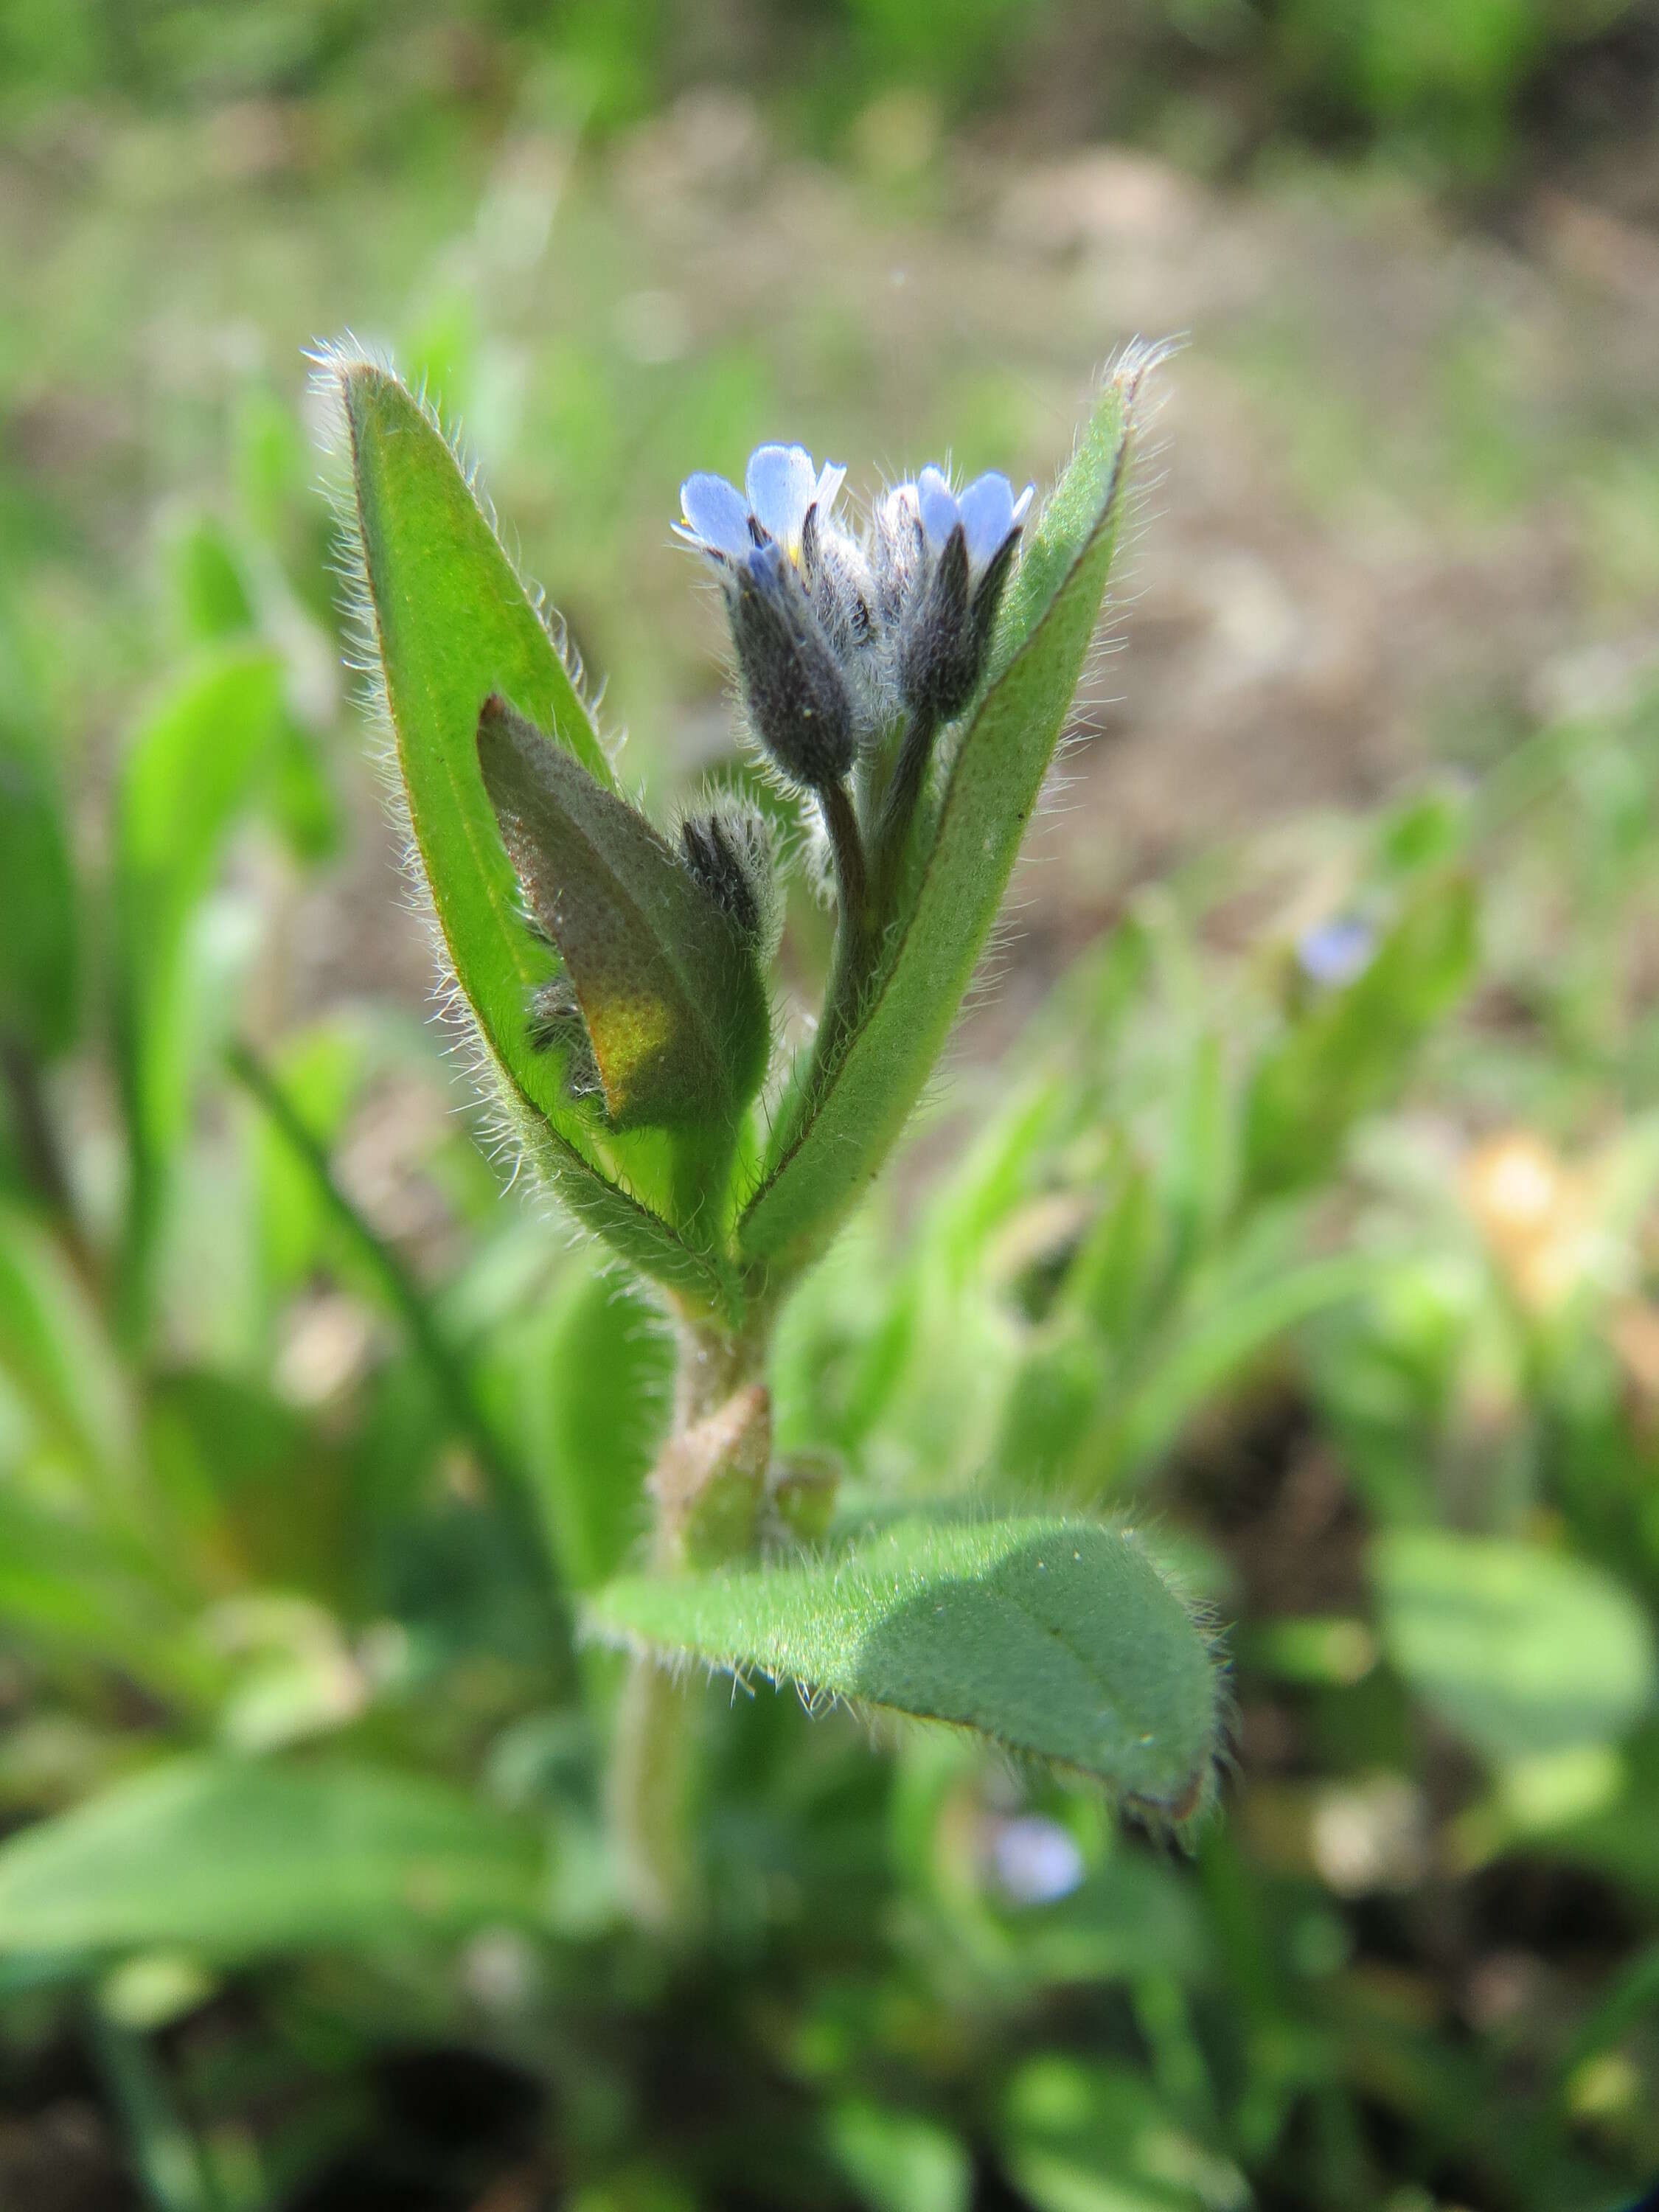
[194,768]
[837,1125]
[671,995]
[1055,1637]
[447,621]
[237,1857]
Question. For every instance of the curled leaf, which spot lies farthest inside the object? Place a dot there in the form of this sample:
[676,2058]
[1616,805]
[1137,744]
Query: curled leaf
[669,990]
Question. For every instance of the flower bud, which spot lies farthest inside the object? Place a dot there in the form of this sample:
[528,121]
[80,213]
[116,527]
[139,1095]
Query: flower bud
[797,695]
[942,652]
[729,851]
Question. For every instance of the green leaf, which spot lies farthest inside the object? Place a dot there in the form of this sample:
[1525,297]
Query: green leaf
[898,2162]
[1229,1320]
[672,999]
[450,622]
[56,1354]
[40,972]
[233,1858]
[835,1128]
[1343,1058]
[193,768]
[1100,2138]
[1519,1650]
[1055,1638]
[77,1590]
[603,1375]
[210,580]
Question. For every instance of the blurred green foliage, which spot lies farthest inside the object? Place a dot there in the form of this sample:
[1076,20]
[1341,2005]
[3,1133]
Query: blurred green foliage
[1330,1259]
[1448,78]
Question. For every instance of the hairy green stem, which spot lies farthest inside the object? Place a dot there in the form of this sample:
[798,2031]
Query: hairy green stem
[653,1745]
[898,808]
[855,934]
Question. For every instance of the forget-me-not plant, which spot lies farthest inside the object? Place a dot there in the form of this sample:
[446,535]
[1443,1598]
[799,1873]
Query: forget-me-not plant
[905,684]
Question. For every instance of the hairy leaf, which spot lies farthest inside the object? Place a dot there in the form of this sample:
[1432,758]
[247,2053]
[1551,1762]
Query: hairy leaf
[602,1381]
[1055,1637]
[233,1857]
[835,1128]
[450,622]
[671,997]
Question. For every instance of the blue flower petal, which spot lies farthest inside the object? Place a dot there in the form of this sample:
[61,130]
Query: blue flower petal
[831,477]
[716,516]
[781,483]
[938,503]
[987,516]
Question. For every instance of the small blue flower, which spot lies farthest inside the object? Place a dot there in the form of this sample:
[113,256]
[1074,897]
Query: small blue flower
[799,592]
[1334,953]
[1034,1860]
[986,509]
[781,488]
[942,559]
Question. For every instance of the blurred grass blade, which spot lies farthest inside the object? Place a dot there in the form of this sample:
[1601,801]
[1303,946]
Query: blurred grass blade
[449,623]
[1344,1056]
[447,1368]
[672,999]
[1211,1346]
[56,1356]
[233,1858]
[1521,1651]
[835,1129]
[74,1591]
[193,768]
[1055,1638]
[39,927]
[169,2158]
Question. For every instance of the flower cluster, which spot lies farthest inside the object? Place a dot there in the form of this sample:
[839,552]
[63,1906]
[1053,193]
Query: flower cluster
[840,637]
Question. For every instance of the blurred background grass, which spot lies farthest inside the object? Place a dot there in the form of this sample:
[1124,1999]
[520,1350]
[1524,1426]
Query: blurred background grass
[1296,1186]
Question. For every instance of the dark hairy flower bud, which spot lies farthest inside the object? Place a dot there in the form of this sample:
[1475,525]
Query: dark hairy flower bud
[798,697]
[942,653]
[729,851]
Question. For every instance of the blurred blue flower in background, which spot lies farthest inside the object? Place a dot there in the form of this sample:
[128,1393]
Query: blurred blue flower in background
[1034,1860]
[1334,953]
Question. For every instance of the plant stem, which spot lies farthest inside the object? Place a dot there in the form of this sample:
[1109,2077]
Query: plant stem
[653,1745]
[898,805]
[855,936]
[649,1792]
